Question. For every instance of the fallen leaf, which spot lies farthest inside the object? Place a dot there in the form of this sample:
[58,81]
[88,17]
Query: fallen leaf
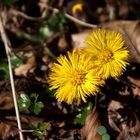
[7,131]
[91,124]
[79,38]
[24,69]
[136,83]
[6,101]
[132,133]
[112,111]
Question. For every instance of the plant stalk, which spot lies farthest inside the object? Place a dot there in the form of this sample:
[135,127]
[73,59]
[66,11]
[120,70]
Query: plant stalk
[7,49]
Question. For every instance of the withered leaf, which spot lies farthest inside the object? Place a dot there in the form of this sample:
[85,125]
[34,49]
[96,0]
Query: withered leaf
[7,130]
[91,124]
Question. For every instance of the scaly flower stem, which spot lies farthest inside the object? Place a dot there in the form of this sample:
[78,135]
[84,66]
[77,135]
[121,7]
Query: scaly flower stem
[5,41]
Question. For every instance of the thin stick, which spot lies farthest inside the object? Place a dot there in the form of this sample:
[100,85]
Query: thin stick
[80,22]
[19,13]
[27,131]
[68,16]
[73,18]
[7,49]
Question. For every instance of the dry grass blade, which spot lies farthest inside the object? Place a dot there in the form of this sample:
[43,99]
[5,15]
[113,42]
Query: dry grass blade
[7,49]
[91,124]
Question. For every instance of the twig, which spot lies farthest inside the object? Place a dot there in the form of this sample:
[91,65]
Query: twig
[73,18]
[7,49]
[80,22]
[55,10]
[25,131]
[19,13]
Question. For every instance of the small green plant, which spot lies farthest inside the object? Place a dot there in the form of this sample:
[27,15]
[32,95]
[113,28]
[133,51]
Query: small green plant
[45,32]
[39,130]
[4,71]
[103,132]
[30,103]
[36,105]
[56,22]
[24,102]
[80,118]
[16,61]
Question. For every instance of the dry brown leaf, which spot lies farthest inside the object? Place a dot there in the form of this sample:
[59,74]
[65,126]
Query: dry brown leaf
[25,119]
[24,69]
[130,133]
[91,124]
[7,131]
[112,111]
[6,101]
[136,83]
[79,38]
[62,43]
[136,91]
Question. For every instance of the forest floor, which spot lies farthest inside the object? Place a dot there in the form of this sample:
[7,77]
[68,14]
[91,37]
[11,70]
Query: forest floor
[38,31]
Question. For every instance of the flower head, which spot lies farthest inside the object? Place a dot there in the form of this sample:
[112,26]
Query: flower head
[73,78]
[108,52]
[77,7]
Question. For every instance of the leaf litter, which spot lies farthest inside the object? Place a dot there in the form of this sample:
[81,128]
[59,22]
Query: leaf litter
[118,103]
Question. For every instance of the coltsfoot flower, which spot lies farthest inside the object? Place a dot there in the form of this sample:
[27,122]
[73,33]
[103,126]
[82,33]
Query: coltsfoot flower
[73,78]
[108,52]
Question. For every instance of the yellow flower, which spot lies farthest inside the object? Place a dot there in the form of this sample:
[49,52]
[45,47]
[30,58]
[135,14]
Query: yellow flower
[108,52]
[77,7]
[73,78]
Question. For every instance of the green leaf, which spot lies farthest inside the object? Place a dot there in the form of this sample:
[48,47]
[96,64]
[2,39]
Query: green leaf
[101,130]
[57,22]
[42,126]
[36,108]
[4,71]
[80,118]
[34,127]
[16,61]
[23,102]
[45,32]
[37,133]
[39,129]
[105,137]
[34,97]
[30,37]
